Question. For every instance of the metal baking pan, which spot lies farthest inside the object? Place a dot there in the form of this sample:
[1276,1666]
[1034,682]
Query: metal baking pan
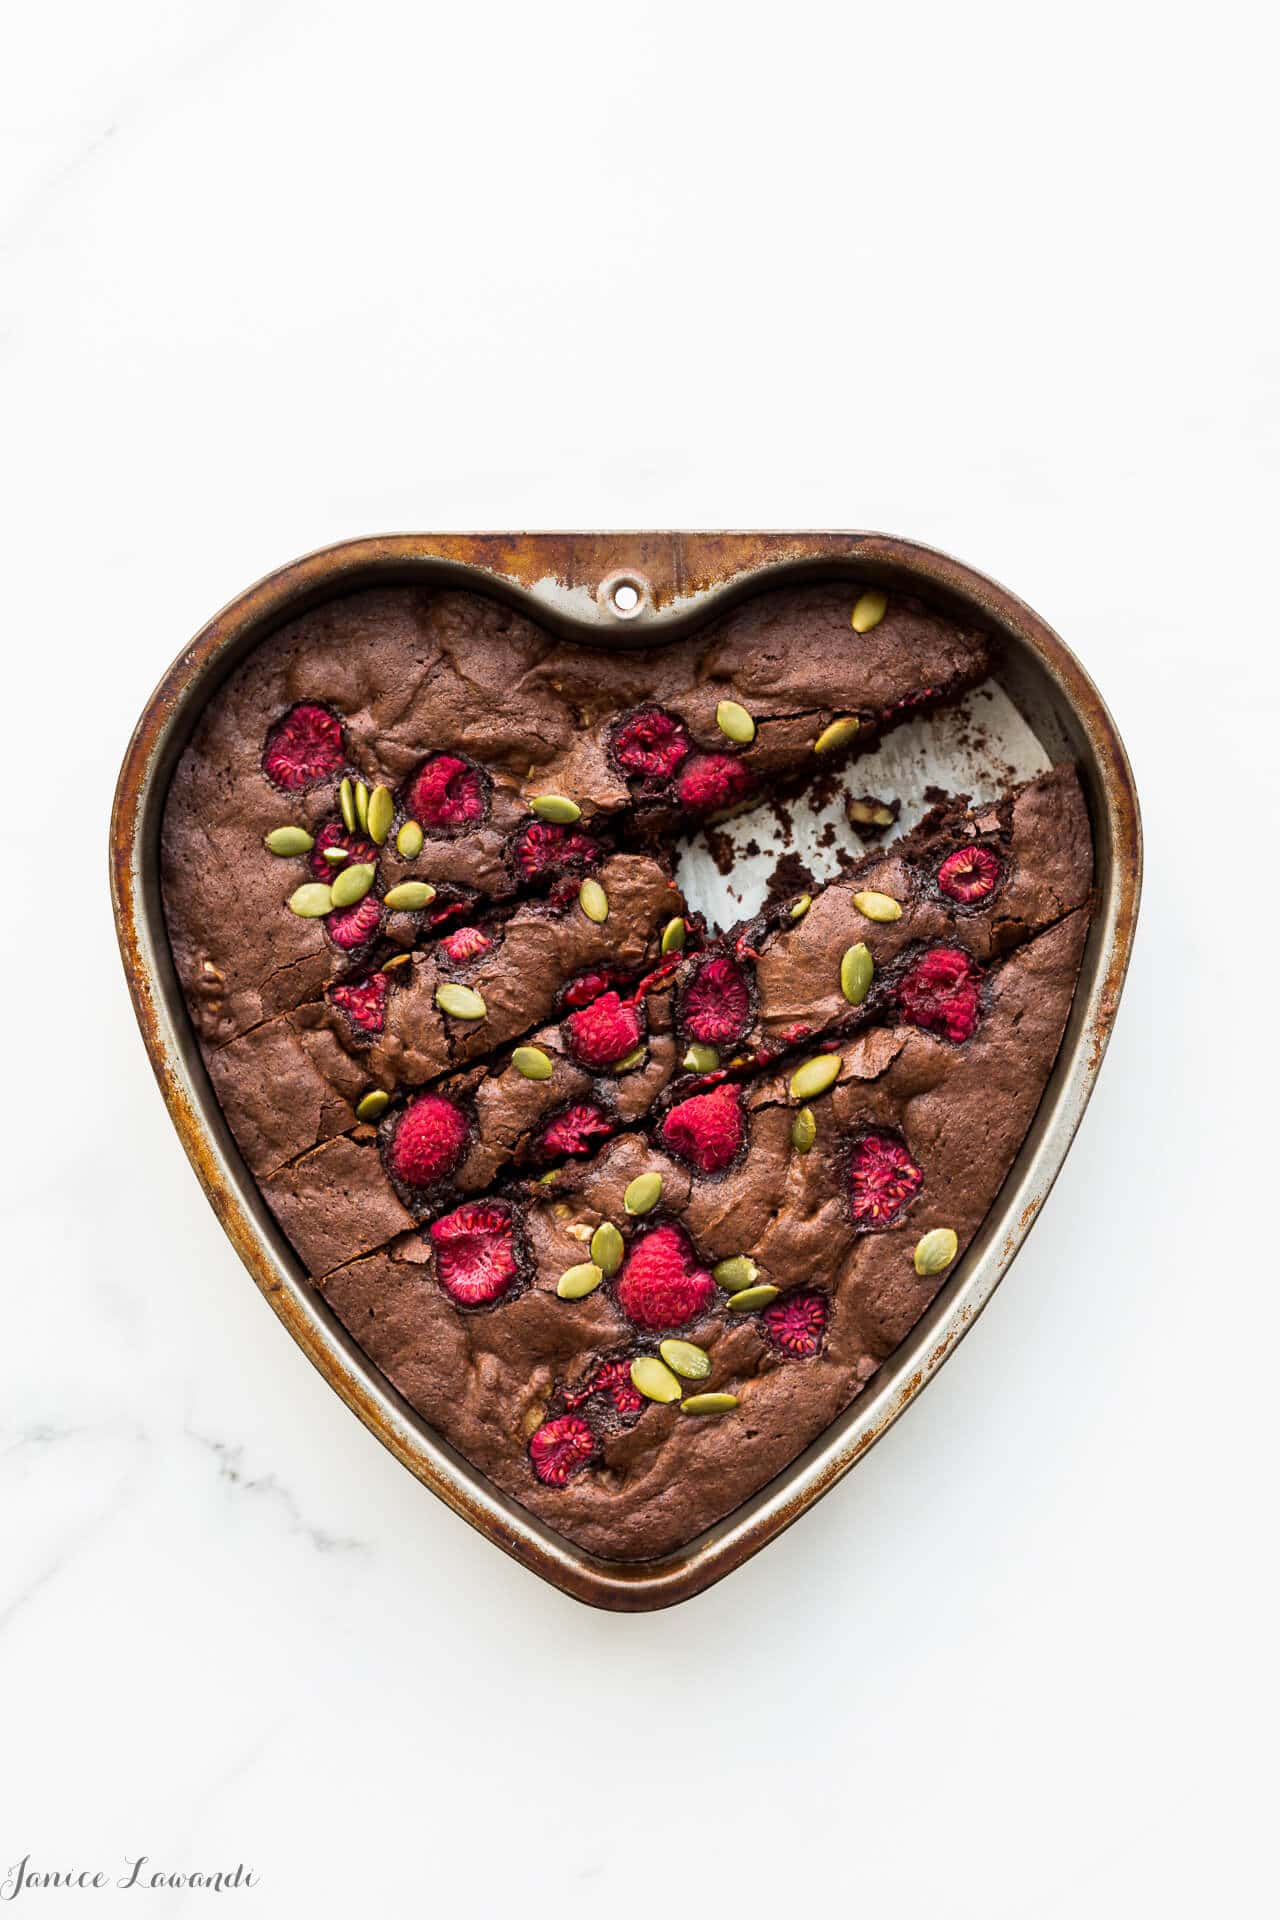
[623,590]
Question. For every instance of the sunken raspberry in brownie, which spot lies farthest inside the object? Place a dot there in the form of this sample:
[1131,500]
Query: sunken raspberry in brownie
[627,1210]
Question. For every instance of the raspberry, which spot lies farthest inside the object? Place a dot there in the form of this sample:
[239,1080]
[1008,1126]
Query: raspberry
[712,782]
[706,1129]
[363,1001]
[352,927]
[716,1005]
[543,849]
[303,747]
[613,1378]
[940,993]
[661,1284]
[882,1178]
[429,1140]
[446,794]
[587,987]
[650,743]
[465,943]
[969,874]
[475,1253]
[605,1031]
[333,834]
[797,1322]
[575,1131]
[560,1448]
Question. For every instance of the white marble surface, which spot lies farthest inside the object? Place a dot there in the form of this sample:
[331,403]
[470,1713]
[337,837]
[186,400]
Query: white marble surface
[1002,279]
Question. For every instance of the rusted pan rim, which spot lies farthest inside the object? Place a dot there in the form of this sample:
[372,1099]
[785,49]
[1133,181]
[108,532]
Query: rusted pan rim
[671,581]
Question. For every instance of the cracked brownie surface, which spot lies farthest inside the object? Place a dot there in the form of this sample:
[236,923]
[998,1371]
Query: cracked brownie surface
[627,1209]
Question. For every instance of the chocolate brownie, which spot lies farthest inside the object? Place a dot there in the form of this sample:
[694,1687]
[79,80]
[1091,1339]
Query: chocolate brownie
[626,1208]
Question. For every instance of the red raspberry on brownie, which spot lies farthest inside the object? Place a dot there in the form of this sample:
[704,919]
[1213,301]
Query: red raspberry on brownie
[940,993]
[713,782]
[575,1131]
[716,1004]
[797,1322]
[661,1284]
[352,927]
[650,744]
[304,746]
[560,1448]
[613,1379]
[969,874]
[446,795]
[427,1142]
[545,851]
[363,1001]
[605,1032]
[882,1178]
[463,944]
[475,1252]
[707,1129]
[359,851]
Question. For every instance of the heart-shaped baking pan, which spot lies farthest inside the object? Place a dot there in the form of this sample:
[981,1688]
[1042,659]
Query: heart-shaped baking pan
[622,591]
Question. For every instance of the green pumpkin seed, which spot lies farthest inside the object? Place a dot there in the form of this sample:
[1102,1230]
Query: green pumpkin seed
[554,806]
[751,1299]
[856,970]
[347,802]
[935,1252]
[382,811]
[869,609]
[800,907]
[396,960]
[636,1058]
[288,840]
[877,906]
[409,840]
[869,813]
[735,722]
[549,1178]
[533,1063]
[814,1076]
[351,884]
[735,1274]
[653,1380]
[337,856]
[673,935]
[607,1248]
[709,1403]
[643,1194]
[804,1130]
[594,901]
[362,806]
[701,1058]
[464,1003]
[837,735]
[374,1105]
[686,1359]
[410,896]
[312,901]
[575,1283]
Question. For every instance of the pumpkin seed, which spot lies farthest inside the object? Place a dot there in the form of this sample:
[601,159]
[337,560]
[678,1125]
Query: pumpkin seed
[464,1003]
[337,856]
[800,907]
[347,802]
[635,1058]
[548,1179]
[533,1063]
[410,896]
[804,1130]
[749,1299]
[362,805]
[554,806]
[607,1248]
[673,936]
[869,609]
[382,811]
[643,1194]
[709,1403]
[575,1283]
[701,1058]
[814,1076]
[837,735]
[856,970]
[877,906]
[869,813]
[409,840]
[654,1380]
[683,1357]
[351,884]
[594,901]
[396,960]
[288,840]
[374,1105]
[311,901]
[735,1274]
[935,1252]
[735,722]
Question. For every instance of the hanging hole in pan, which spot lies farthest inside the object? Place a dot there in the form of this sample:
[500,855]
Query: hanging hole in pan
[624,595]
